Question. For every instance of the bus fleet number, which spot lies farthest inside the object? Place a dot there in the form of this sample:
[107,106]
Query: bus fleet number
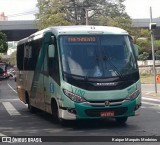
[79,92]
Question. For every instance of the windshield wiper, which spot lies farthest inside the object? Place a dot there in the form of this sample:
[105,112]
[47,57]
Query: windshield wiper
[108,60]
[76,77]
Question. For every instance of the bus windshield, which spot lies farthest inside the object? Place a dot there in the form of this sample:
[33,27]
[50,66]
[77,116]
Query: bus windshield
[97,55]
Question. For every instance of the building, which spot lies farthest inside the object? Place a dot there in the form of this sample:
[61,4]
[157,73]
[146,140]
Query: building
[3,17]
[144,23]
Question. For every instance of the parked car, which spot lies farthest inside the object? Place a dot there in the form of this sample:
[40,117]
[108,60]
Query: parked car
[12,73]
[3,71]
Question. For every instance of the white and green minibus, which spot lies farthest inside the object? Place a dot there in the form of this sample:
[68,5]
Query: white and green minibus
[79,72]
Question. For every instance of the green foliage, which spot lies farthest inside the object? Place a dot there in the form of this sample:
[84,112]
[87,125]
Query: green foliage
[145,48]
[139,33]
[144,45]
[144,33]
[157,49]
[51,13]
[3,43]
[12,59]
[157,55]
[143,56]
[71,12]
[157,44]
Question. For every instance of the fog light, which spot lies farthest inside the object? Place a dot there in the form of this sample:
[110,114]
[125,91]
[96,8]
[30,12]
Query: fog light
[72,110]
[137,106]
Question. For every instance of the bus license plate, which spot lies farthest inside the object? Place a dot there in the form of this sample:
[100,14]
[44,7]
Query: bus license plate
[107,114]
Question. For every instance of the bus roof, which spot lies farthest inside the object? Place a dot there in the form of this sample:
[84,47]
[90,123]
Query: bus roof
[78,29]
[84,29]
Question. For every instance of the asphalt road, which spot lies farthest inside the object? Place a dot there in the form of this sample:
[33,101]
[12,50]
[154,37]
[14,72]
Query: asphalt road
[16,120]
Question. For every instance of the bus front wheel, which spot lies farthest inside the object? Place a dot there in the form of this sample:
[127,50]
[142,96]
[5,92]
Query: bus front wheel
[121,120]
[55,114]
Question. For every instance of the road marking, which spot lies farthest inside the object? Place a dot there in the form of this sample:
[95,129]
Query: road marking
[1,134]
[147,93]
[153,104]
[12,88]
[143,107]
[8,100]
[10,108]
[151,99]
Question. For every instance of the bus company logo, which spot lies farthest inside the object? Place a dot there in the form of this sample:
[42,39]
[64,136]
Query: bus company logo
[106,84]
[6,139]
[107,103]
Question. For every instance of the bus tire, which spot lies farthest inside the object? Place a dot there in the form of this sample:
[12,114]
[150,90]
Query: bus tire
[55,113]
[121,120]
[30,107]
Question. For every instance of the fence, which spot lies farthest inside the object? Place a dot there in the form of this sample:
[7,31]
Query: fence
[146,67]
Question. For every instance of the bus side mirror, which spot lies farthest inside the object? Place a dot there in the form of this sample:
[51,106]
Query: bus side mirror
[49,38]
[51,51]
[53,41]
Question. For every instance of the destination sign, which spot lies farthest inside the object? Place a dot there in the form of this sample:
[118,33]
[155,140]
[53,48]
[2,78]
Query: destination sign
[82,39]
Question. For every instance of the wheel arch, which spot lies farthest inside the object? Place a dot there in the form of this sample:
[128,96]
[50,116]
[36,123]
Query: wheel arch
[26,97]
[54,105]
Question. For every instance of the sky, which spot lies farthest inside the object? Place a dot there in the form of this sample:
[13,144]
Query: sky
[141,8]
[25,9]
[19,9]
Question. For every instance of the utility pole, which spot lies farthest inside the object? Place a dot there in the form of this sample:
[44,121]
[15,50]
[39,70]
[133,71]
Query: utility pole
[86,11]
[75,11]
[152,27]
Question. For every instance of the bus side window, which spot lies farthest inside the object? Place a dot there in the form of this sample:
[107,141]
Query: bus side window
[53,63]
[20,56]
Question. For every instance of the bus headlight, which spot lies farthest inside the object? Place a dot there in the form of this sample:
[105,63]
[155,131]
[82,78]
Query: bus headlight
[74,97]
[133,95]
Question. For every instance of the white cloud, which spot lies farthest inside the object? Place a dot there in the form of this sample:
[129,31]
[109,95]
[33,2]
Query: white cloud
[141,8]
[15,8]
[134,8]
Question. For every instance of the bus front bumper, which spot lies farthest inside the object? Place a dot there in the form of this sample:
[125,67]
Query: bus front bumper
[84,111]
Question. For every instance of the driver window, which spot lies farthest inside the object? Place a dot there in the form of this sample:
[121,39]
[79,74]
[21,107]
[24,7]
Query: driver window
[53,62]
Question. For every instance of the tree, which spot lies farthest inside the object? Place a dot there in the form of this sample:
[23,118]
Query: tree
[0,58]
[157,55]
[3,43]
[144,56]
[139,33]
[51,13]
[157,49]
[12,59]
[69,12]
[144,45]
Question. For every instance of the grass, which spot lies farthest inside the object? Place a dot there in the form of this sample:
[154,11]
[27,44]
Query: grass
[147,78]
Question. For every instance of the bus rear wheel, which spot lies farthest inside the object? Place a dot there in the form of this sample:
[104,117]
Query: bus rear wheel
[30,107]
[121,120]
